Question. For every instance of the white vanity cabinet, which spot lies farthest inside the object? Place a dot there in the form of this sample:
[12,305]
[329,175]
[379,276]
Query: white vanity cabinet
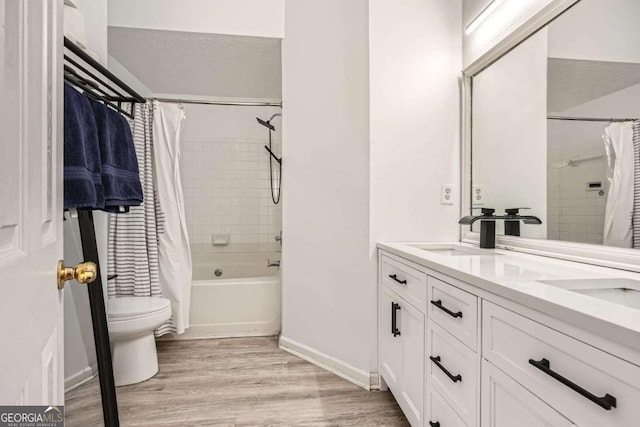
[401,336]
[587,385]
[452,360]
[505,403]
[462,356]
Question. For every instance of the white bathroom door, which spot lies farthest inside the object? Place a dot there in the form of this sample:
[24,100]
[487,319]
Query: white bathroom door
[31,312]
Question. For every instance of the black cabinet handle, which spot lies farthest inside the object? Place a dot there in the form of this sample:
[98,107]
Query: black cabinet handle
[607,402]
[395,277]
[394,310]
[454,378]
[436,424]
[445,309]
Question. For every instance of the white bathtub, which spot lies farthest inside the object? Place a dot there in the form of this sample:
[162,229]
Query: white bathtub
[245,300]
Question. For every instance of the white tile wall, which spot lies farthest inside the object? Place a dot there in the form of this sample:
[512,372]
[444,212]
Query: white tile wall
[226,190]
[575,214]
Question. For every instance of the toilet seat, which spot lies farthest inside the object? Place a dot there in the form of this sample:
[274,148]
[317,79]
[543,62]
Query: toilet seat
[130,308]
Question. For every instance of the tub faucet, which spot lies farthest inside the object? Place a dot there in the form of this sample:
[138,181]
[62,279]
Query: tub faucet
[275,263]
[488,224]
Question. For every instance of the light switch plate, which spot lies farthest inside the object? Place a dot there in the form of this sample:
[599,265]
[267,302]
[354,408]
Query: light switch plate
[447,194]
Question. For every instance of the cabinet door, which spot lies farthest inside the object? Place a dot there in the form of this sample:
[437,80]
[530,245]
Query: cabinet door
[413,334]
[505,403]
[454,372]
[390,345]
[437,411]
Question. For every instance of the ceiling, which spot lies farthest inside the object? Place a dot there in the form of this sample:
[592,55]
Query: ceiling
[573,82]
[185,63]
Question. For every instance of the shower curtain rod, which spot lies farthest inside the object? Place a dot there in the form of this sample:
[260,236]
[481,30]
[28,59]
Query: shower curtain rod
[589,119]
[209,102]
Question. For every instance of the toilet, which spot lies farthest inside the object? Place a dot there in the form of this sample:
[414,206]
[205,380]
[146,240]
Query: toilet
[131,322]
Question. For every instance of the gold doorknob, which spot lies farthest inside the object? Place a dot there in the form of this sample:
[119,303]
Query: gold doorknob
[85,272]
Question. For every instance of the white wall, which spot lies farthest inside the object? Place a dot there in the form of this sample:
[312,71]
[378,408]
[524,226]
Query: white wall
[216,121]
[260,18]
[225,175]
[415,62]
[128,77]
[373,138]
[95,20]
[509,135]
[329,303]
[587,32]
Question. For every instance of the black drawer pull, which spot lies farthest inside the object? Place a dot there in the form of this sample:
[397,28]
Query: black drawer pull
[395,277]
[607,402]
[454,378]
[445,309]
[394,327]
[436,424]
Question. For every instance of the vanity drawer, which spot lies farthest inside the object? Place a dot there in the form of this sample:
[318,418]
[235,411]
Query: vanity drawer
[409,283]
[438,412]
[452,369]
[578,380]
[453,309]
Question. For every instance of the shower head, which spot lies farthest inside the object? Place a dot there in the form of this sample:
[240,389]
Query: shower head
[266,124]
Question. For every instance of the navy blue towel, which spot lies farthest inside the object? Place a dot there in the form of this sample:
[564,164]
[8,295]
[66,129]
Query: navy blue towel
[120,174]
[82,164]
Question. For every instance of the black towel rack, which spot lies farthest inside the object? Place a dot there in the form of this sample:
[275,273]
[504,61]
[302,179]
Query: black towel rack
[96,81]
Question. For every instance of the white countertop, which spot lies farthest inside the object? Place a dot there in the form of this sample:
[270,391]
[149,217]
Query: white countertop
[515,276]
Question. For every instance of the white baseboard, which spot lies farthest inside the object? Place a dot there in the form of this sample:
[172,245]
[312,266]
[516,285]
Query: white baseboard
[353,375]
[80,377]
[230,330]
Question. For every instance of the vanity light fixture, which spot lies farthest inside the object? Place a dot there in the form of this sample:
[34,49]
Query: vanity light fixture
[488,10]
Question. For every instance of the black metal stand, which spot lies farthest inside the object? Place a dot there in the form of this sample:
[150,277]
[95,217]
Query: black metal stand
[99,321]
[95,80]
[82,71]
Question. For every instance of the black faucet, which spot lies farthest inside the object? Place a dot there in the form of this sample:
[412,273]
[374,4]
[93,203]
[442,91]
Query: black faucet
[512,221]
[488,224]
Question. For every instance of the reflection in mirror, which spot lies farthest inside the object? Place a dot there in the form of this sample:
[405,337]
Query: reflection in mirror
[553,127]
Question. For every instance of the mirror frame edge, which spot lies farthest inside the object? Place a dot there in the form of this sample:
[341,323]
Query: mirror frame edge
[605,256]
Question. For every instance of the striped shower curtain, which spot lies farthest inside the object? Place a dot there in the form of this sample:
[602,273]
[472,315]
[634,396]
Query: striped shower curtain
[622,212]
[133,237]
[635,221]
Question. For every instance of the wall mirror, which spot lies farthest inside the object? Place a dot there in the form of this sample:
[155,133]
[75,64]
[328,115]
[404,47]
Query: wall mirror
[552,129]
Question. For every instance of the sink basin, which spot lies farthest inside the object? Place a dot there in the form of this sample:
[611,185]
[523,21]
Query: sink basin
[616,290]
[453,250]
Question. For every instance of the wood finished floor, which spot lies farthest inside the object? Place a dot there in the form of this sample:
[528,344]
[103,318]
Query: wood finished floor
[236,382]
